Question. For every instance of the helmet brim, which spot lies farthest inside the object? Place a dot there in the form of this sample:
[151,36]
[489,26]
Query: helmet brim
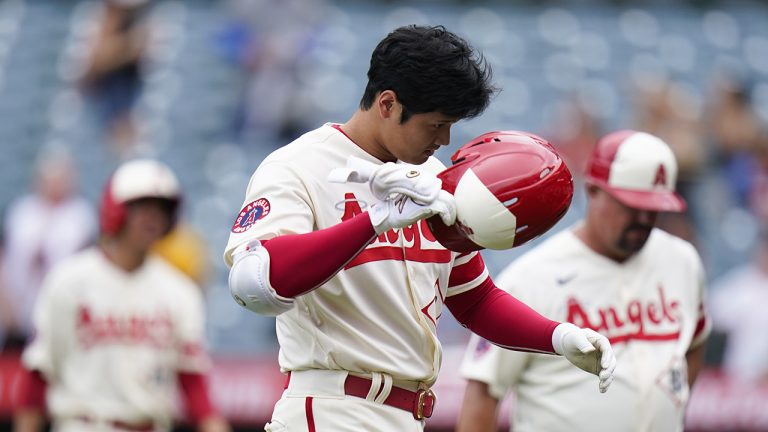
[659,201]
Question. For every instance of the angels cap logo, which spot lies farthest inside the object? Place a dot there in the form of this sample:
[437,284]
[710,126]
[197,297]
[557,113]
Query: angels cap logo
[251,213]
[661,176]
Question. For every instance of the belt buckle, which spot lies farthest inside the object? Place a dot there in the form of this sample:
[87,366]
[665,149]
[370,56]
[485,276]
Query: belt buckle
[425,404]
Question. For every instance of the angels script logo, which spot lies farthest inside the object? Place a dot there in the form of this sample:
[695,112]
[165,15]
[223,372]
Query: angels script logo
[650,319]
[412,243]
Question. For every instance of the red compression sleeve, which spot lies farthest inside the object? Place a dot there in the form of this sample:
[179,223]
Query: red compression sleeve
[300,263]
[32,391]
[502,319]
[194,391]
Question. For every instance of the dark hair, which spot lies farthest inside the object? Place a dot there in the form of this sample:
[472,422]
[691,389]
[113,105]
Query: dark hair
[431,70]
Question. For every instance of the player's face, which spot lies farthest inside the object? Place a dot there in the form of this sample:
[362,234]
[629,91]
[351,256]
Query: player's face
[419,137]
[622,231]
[148,220]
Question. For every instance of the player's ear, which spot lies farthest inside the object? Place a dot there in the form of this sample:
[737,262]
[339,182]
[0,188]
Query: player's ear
[386,103]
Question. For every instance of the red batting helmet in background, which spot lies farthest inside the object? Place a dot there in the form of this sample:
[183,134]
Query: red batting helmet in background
[638,169]
[136,179]
[510,187]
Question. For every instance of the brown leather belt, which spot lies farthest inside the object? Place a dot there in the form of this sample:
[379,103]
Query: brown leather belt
[420,403]
[121,425]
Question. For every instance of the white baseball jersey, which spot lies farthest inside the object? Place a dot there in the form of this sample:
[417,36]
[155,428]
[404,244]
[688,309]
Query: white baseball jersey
[38,235]
[380,312]
[651,307]
[737,306]
[110,342]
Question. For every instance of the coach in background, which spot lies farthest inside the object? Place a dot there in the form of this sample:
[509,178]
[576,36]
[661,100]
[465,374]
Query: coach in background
[617,274]
[118,329]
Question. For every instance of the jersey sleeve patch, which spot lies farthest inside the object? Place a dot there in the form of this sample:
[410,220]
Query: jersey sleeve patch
[250,214]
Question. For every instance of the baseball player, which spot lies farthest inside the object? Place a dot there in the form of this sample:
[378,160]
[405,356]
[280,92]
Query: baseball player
[117,329]
[355,278]
[615,273]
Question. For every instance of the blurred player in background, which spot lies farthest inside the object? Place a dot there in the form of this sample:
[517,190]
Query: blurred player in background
[615,273]
[738,302]
[356,281]
[7,313]
[117,329]
[41,228]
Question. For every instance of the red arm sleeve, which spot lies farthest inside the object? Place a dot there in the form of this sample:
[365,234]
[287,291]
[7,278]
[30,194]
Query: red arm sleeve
[32,390]
[319,255]
[194,392]
[502,319]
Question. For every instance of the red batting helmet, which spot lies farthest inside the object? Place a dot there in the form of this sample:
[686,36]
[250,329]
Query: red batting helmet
[136,179]
[638,169]
[510,187]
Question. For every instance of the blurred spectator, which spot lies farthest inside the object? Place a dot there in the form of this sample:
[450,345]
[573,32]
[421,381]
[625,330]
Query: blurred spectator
[574,132]
[666,109]
[41,228]
[186,250]
[271,47]
[758,196]
[738,310]
[736,131]
[112,77]
[7,314]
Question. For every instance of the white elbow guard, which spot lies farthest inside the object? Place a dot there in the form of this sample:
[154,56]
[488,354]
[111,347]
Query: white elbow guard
[249,281]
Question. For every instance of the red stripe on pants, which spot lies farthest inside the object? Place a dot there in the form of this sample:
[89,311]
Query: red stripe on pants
[310,415]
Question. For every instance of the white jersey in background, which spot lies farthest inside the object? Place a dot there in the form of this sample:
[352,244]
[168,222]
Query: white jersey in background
[38,235]
[379,314]
[117,342]
[651,307]
[737,306]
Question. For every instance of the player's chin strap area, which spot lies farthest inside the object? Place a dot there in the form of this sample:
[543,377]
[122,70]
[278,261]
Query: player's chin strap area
[249,281]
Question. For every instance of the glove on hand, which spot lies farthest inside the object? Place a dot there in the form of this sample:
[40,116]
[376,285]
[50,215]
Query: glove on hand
[588,350]
[402,211]
[389,179]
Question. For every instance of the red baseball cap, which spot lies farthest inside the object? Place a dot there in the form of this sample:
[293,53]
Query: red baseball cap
[638,169]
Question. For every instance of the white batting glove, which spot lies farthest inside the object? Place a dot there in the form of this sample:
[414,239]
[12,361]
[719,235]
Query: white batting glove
[389,179]
[402,211]
[587,349]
